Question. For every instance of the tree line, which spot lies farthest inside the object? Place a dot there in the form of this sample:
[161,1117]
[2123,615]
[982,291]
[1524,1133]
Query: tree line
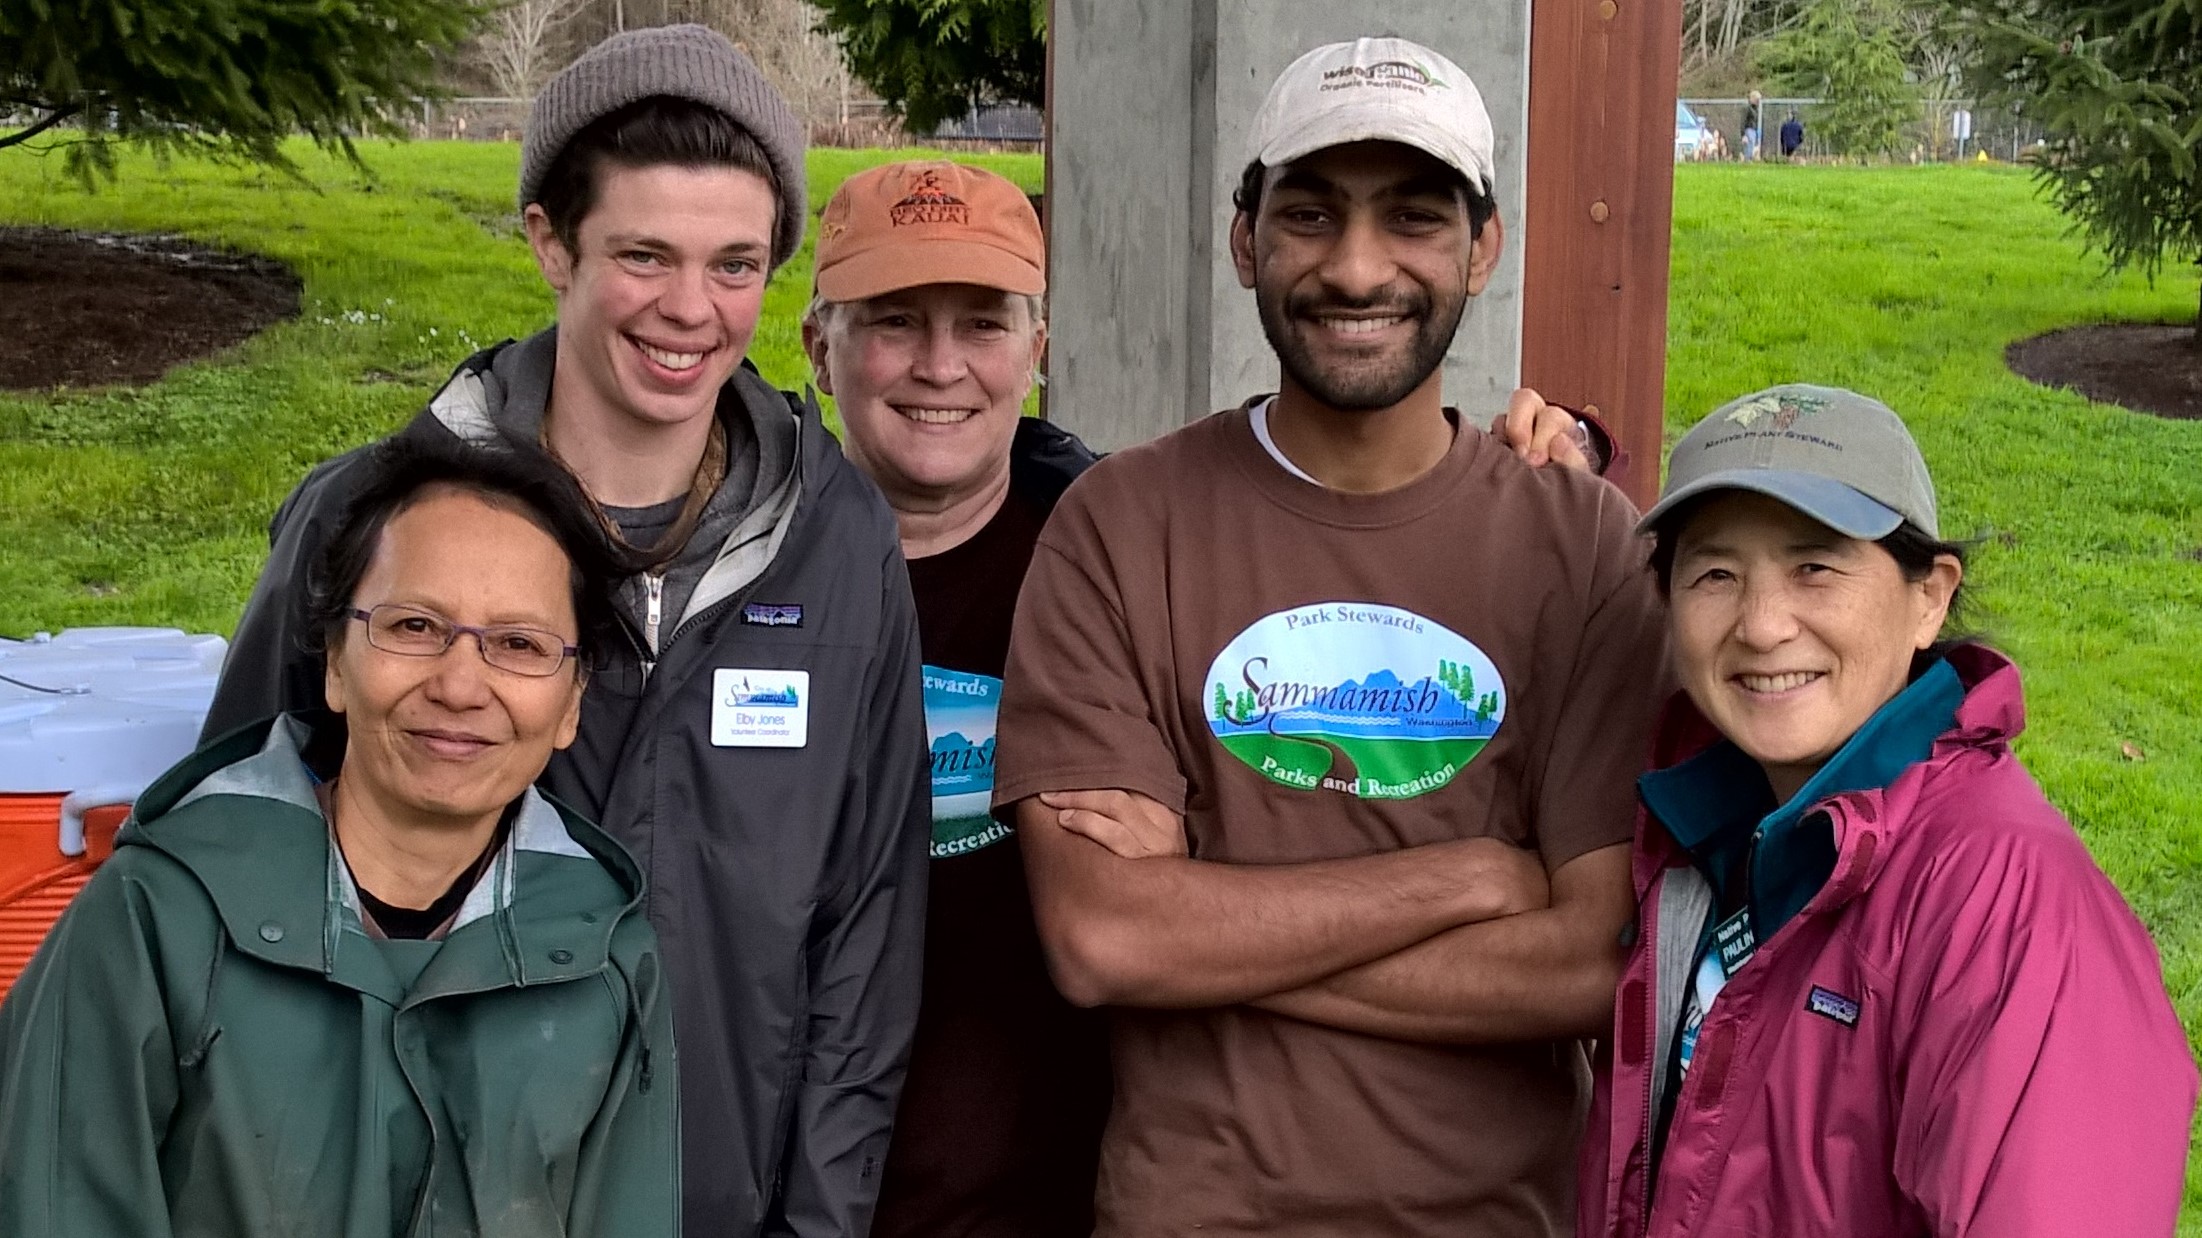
[2115,84]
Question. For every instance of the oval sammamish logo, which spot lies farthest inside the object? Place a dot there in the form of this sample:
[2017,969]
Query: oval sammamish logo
[1366,700]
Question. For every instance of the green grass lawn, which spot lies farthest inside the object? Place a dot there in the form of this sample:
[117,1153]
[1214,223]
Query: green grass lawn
[149,506]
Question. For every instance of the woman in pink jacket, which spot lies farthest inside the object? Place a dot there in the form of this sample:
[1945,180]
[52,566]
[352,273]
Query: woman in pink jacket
[1877,986]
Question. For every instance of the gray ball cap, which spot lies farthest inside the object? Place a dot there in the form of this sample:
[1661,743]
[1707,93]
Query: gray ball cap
[1839,457]
[684,62]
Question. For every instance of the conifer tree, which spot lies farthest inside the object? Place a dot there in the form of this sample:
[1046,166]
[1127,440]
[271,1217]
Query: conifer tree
[224,77]
[932,60]
[2117,85]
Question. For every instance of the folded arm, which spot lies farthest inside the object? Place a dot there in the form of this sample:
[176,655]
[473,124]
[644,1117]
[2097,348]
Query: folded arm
[1542,974]
[1169,931]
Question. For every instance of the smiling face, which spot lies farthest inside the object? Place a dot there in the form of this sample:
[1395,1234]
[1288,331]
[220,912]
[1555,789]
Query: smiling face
[1788,636]
[452,739]
[1362,263]
[660,295]
[929,382]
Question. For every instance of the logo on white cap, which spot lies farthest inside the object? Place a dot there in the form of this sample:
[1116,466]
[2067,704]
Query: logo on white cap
[1376,90]
[1398,74]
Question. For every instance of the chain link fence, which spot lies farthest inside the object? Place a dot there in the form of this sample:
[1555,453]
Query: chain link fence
[856,122]
[1943,130]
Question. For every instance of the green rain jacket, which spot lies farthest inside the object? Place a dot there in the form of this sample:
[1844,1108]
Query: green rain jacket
[209,1045]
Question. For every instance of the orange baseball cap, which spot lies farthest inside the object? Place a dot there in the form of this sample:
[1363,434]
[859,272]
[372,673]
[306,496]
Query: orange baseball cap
[905,224]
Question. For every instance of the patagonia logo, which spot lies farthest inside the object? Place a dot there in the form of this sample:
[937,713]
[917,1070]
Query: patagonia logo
[772,615]
[1832,1005]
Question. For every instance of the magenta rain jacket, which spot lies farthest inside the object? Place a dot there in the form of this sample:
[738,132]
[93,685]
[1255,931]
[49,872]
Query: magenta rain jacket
[1964,1033]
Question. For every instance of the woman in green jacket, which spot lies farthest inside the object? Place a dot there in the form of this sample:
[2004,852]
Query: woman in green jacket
[349,975]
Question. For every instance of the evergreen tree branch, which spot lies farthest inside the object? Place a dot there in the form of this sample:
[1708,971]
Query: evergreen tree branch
[49,121]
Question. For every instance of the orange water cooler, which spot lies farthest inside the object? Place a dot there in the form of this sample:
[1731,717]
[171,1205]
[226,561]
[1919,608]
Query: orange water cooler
[88,719]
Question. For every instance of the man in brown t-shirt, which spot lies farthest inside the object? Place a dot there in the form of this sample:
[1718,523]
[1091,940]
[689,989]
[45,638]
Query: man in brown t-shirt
[1321,723]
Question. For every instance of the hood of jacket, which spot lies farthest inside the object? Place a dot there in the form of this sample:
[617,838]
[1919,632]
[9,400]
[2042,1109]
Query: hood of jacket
[1044,458]
[1992,715]
[294,902]
[502,393]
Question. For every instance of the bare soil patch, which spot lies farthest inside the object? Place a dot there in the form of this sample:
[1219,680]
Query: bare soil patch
[91,309]
[2147,368]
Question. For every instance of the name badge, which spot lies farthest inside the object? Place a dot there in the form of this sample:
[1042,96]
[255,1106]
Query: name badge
[760,708]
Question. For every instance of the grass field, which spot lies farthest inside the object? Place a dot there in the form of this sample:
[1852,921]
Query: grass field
[149,506]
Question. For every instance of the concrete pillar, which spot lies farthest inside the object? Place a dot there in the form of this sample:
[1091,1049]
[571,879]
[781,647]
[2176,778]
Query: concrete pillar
[1149,110]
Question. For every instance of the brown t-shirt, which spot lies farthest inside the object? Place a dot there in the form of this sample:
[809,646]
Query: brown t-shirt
[1310,675]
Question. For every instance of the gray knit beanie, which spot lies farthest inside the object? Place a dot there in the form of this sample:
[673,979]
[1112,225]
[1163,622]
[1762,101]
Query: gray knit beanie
[686,62]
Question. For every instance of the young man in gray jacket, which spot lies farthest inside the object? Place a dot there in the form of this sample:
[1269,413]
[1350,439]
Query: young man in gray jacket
[759,741]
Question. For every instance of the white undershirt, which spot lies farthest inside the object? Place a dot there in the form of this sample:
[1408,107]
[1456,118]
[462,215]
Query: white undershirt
[1258,417]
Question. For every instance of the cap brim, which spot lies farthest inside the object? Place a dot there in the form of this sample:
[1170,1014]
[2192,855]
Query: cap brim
[1824,499]
[892,268]
[1373,123]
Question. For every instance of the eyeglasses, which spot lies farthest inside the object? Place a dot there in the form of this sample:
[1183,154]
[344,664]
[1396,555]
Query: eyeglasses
[415,633]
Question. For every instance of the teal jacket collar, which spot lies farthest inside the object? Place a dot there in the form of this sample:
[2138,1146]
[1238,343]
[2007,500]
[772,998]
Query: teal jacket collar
[1717,802]
[241,815]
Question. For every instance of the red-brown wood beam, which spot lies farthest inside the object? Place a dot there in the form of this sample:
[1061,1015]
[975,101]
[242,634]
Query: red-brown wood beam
[1600,213]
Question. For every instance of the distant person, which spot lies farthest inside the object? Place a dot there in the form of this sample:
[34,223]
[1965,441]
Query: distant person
[756,734]
[1321,722]
[1878,985]
[1792,136]
[348,974]
[1754,121]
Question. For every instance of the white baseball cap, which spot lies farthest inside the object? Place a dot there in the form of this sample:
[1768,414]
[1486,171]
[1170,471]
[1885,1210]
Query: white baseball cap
[1376,90]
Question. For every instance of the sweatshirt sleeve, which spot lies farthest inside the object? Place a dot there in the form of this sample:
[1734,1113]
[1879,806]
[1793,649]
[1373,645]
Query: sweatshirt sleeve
[268,670]
[2049,1087]
[867,951]
[88,1074]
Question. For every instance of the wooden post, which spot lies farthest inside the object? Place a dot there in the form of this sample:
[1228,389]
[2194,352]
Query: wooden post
[1602,82]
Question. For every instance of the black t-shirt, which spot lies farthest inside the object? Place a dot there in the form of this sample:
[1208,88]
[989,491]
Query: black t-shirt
[999,1129]
[644,527]
[424,923]
[418,924]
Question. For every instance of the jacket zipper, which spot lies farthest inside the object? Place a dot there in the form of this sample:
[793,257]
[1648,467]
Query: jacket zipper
[1651,1120]
[1813,908]
[654,585]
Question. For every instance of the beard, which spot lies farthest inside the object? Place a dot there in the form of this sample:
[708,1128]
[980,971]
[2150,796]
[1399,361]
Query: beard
[1363,385]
